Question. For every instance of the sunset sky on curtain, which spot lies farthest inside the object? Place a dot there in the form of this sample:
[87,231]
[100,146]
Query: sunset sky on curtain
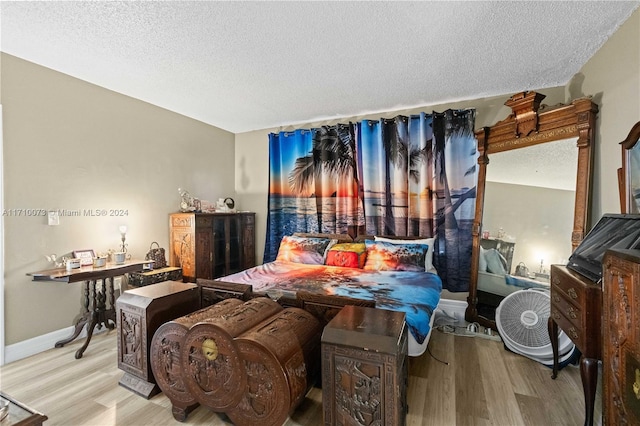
[403,176]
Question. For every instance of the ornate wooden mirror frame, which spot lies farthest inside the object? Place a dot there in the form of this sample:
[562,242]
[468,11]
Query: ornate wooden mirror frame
[531,124]
[625,174]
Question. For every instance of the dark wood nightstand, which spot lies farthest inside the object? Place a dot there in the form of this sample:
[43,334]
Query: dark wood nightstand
[576,307]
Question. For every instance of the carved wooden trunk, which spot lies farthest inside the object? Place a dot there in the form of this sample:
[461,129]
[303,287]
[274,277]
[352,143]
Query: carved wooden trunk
[139,314]
[281,357]
[364,367]
[141,279]
[213,370]
[166,350]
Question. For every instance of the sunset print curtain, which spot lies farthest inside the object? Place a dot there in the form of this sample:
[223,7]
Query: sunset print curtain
[403,176]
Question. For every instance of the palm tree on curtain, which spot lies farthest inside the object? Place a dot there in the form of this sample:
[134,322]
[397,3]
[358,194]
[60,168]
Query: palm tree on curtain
[446,214]
[398,151]
[452,271]
[391,143]
[334,152]
[411,157]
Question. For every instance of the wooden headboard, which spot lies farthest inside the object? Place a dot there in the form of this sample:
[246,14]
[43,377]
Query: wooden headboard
[342,238]
[361,238]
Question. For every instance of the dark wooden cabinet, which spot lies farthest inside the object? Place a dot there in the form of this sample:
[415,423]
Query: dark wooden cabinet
[211,245]
[621,337]
[364,367]
[576,307]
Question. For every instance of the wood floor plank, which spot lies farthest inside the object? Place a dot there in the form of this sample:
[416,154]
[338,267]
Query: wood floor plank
[501,402]
[482,385]
[435,402]
[471,401]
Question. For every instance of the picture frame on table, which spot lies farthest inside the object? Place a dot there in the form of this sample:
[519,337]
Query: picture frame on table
[86,256]
[629,174]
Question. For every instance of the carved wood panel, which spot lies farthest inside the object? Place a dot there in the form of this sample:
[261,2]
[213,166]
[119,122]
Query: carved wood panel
[621,331]
[364,380]
[132,342]
[279,362]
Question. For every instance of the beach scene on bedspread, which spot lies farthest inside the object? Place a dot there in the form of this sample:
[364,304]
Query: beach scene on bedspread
[415,293]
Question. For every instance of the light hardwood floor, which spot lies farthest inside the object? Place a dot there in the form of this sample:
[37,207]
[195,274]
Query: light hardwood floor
[483,384]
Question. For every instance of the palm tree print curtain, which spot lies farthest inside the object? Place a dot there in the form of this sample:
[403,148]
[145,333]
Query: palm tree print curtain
[403,176]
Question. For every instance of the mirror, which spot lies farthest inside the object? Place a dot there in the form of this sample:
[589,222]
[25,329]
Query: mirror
[629,174]
[532,202]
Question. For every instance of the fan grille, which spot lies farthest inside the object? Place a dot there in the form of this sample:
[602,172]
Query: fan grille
[524,318]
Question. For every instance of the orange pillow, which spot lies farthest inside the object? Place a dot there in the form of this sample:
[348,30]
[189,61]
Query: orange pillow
[348,255]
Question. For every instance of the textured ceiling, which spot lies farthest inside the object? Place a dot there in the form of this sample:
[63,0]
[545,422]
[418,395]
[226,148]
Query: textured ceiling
[244,66]
[546,165]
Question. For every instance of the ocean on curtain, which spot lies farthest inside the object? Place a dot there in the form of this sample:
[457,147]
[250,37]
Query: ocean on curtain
[403,176]
[313,184]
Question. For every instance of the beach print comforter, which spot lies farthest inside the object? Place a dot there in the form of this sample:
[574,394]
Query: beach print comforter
[415,293]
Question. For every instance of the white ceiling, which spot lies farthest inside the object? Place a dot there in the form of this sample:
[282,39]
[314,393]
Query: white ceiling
[245,66]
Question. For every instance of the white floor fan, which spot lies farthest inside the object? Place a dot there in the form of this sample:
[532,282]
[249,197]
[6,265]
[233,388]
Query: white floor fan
[521,319]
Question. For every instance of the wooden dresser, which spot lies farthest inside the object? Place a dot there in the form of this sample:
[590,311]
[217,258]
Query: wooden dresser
[576,307]
[211,245]
[621,337]
[364,367]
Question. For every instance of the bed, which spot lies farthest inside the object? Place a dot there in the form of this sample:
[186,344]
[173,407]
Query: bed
[391,273]
[494,276]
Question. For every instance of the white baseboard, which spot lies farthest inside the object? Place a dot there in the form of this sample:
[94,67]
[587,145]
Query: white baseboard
[451,308]
[42,343]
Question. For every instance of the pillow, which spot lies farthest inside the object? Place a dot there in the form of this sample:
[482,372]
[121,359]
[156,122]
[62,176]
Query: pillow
[348,255]
[482,260]
[496,263]
[384,256]
[428,260]
[308,250]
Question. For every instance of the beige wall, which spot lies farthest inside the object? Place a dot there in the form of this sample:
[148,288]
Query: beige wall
[612,76]
[524,214]
[72,145]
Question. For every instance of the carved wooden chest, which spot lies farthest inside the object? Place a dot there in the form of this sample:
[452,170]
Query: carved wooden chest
[140,279]
[364,367]
[214,372]
[281,360]
[139,313]
[166,347]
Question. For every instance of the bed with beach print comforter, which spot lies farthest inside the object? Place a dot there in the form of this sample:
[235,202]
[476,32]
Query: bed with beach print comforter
[416,293]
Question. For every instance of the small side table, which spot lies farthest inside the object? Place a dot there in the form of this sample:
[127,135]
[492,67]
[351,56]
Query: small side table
[98,306]
[140,312]
[364,367]
[21,415]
